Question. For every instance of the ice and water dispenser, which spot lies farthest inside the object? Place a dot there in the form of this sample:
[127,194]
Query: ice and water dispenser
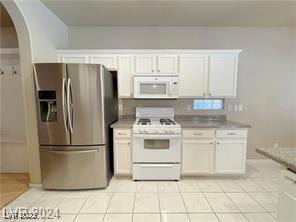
[47,105]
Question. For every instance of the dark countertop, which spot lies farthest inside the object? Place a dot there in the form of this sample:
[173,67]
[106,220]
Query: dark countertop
[216,122]
[188,122]
[283,155]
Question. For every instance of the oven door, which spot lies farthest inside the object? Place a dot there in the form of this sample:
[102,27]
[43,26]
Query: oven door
[155,148]
[152,87]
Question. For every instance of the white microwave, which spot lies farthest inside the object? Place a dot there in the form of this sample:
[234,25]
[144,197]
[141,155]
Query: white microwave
[156,87]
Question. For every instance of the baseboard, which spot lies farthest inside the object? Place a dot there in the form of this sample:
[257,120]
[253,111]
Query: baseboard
[35,185]
[258,160]
[14,169]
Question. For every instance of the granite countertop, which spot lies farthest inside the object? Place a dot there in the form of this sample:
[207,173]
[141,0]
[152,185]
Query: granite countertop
[124,122]
[283,155]
[189,122]
[199,122]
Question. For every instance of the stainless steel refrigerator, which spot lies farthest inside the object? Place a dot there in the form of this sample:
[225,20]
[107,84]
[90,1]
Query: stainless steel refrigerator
[76,104]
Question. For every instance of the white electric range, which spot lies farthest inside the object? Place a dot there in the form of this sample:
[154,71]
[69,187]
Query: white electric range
[156,144]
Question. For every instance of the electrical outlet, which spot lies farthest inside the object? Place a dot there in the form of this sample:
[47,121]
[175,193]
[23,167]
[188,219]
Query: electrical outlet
[276,145]
[235,108]
[240,107]
[229,108]
[188,107]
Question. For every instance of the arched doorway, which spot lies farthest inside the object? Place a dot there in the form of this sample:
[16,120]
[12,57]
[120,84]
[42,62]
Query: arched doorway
[25,52]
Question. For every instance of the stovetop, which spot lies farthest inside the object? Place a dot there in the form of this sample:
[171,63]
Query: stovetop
[155,122]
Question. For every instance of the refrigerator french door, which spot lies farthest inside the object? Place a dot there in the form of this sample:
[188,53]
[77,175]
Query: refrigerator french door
[72,126]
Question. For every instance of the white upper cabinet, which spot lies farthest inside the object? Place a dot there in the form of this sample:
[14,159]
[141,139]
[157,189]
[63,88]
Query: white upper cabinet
[110,61]
[223,75]
[125,75]
[167,64]
[156,64]
[202,73]
[74,58]
[193,75]
[145,64]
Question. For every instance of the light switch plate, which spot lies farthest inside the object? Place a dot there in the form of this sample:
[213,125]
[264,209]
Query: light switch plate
[236,108]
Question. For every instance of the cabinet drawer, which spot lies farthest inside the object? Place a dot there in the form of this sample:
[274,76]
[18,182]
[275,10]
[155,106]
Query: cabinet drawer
[198,134]
[122,133]
[231,133]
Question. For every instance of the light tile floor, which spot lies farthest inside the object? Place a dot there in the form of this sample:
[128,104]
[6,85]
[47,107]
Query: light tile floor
[251,198]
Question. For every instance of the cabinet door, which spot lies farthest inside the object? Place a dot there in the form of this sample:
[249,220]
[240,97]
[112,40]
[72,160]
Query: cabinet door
[125,76]
[122,157]
[110,61]
[74,58]
[197,157]
[223,75]
[145,64]
[193,75]
[230,157]
[167,64]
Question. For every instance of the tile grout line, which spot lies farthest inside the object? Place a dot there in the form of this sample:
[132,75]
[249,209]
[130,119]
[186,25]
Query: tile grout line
[210,205]
[259,204]
[242,213]
[187,213]
[159,202]
[134,201]
[112,194]
[82,206]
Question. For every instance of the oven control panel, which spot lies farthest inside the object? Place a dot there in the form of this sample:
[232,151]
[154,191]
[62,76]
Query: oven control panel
[157,131]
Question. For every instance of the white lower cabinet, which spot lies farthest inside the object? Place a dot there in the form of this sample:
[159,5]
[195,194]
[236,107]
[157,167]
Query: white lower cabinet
[222,152]
[197,157]
[122,152]
[230,157]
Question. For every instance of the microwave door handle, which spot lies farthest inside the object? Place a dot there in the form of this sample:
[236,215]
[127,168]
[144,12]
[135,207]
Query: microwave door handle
[171,89]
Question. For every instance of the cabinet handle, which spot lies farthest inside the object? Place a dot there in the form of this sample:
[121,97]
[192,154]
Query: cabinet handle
[158,70]
[218,143]
[210,94]
[152,70]
[204,94]
[197,134]
[122,134]
[231,134]
[211,143]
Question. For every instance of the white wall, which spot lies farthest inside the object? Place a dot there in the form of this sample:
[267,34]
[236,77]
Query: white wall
[294,86]
[39,33]
[47,31]
[265,70]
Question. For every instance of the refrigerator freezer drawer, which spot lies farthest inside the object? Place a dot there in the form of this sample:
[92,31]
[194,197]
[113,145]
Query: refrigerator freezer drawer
[156,171]
[75,169]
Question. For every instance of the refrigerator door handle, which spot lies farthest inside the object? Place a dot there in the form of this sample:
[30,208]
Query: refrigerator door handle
[72,152]
[63,98]
[69,105]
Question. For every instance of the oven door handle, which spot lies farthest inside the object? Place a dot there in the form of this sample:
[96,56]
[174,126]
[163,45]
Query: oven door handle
[156,165]
[156,136]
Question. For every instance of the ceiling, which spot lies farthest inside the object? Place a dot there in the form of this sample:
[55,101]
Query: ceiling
[5,20]
[174,13]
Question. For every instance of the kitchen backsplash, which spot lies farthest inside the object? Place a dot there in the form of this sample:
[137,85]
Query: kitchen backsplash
[182,106]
